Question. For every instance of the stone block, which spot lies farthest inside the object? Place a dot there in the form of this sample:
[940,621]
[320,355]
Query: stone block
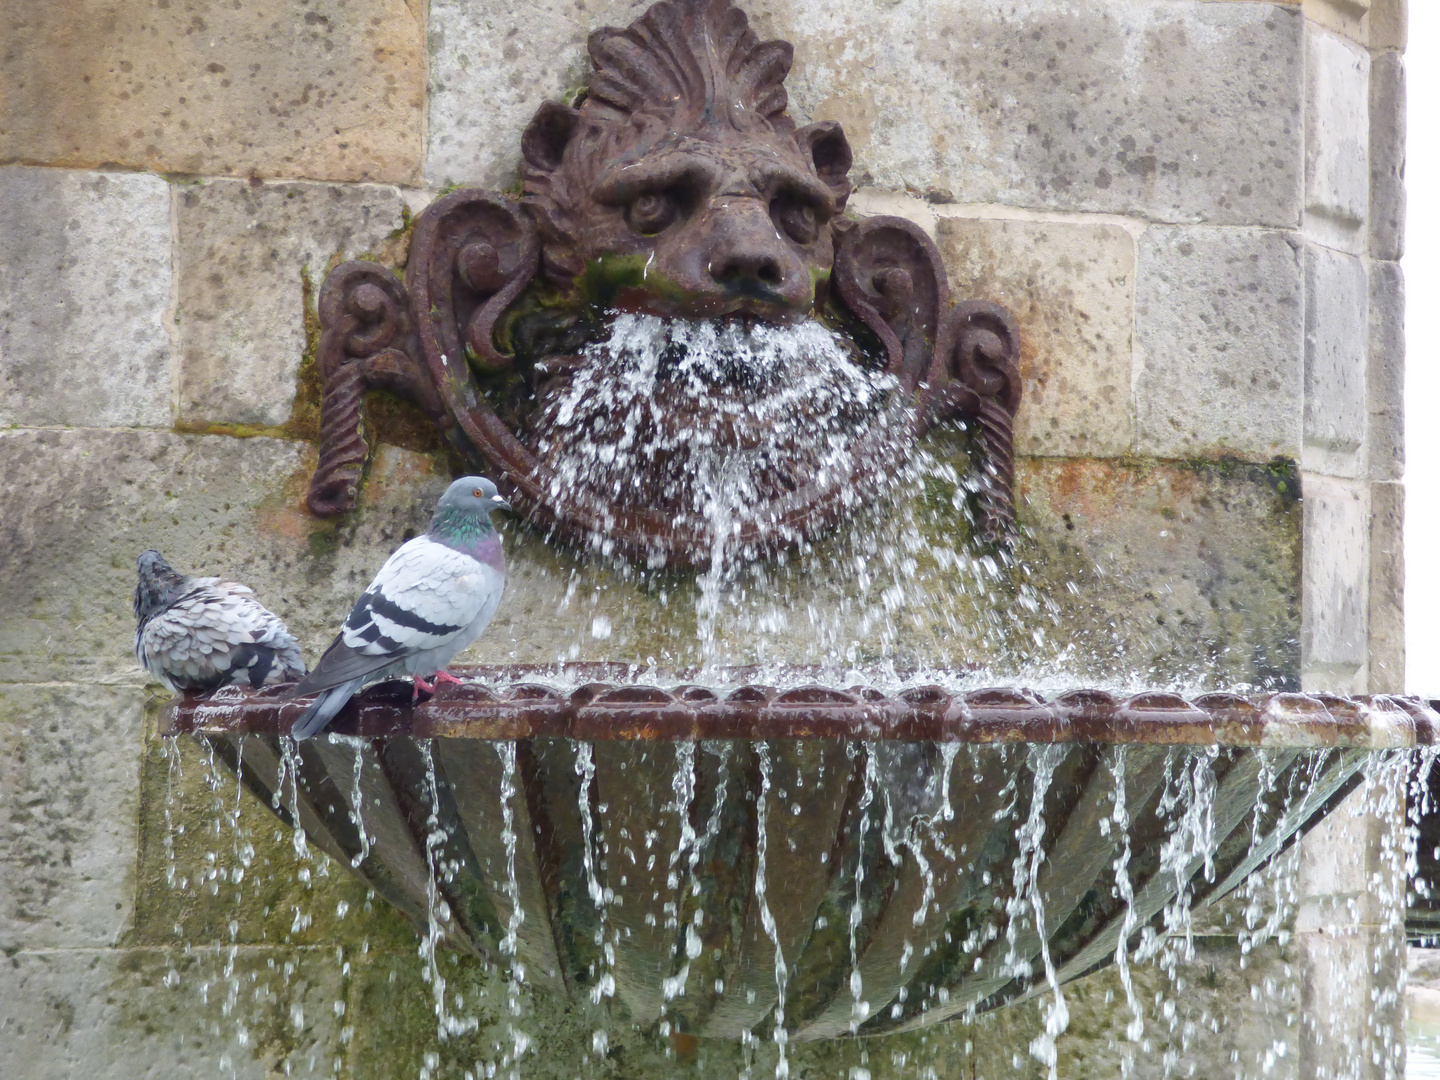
[1222,1017]
[1344,880]
[1072,289]
[329,90]
[491,66]
[1163,574]
[77,507]
[242,250]
[183,1015]
[1334,633]
[1348,17]
[1389,24]
[1337,139]
[1219,326]
[1336,342]
[1385,371]
[69,787]
[1387,588]
[1354,1009]
[83,299]
[1387,156]
[1075,108]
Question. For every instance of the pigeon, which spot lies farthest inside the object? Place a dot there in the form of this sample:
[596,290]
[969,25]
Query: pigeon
[200,633]
[432,598]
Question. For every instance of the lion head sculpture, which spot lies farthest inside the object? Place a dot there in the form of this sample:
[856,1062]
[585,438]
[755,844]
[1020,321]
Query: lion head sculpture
[673,341]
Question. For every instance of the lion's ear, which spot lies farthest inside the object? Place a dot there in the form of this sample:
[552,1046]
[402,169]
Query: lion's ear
[547,135]
[830,151]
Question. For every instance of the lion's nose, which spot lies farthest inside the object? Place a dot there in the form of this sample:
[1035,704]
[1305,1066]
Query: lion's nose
[746,255]
[748,265]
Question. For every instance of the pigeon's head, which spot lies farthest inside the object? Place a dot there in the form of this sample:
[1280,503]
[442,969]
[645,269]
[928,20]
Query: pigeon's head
[159,584]
[466,505]
[474,493]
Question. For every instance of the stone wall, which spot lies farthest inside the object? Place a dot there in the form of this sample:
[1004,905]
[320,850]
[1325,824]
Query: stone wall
[1194,208]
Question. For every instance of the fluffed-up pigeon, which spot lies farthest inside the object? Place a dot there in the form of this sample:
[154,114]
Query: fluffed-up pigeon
[432,598]
[197,633]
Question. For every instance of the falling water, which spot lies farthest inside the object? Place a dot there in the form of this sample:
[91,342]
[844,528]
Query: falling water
[604,987]
[688,851]
[859,1007]
[1120,820]
[358,747]
[895,602]
[767,919]
[1031,853]
[710,423]
[510,944]
[437,910]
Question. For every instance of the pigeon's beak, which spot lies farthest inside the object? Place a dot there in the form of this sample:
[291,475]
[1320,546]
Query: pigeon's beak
[501,504]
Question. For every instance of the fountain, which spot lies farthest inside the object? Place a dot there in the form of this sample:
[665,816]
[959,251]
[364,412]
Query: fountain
[819,733]
[678,354]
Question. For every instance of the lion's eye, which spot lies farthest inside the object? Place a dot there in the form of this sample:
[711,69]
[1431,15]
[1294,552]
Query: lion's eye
[651,213]
[796,218]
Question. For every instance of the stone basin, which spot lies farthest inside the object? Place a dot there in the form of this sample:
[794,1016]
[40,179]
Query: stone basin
[723,859]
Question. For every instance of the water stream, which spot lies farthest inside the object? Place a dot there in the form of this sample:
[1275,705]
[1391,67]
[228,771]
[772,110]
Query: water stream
[1156,952]
[944,884]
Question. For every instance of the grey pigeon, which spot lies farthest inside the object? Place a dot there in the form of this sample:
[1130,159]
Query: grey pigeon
[200,633]
[432,598]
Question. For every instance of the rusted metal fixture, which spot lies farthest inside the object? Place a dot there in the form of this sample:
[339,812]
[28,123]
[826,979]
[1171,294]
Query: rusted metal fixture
[603,784]
[513,703]
[677,185]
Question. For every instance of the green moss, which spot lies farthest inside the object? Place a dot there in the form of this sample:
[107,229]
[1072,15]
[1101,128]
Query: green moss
[216,866]
[1284,477]
[606,280]
[304,422]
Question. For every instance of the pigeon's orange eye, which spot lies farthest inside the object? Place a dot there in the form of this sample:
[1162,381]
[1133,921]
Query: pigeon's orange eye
[478,493]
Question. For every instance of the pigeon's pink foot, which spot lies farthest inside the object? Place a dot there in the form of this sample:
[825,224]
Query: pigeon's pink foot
[420,684]
[446,677]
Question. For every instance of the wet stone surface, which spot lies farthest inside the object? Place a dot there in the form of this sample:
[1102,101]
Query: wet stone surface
[242,251]
[1219,323]
[1071,287]
[80,506]
[1179,573]
[328,90]
[84,339]
[68,839]
[122,1014]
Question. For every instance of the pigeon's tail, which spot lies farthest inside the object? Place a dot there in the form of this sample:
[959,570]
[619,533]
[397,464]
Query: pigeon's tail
[323,709]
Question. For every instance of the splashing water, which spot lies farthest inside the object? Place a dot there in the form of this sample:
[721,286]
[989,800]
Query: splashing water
[708,421]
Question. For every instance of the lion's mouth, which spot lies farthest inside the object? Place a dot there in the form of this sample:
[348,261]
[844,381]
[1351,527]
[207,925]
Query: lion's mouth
[710,422]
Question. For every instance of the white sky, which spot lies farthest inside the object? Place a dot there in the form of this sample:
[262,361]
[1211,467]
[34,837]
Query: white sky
[1422,331]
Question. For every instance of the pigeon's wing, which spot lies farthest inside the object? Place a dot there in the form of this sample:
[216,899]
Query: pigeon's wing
[217,632]
[423,597]
[274,653]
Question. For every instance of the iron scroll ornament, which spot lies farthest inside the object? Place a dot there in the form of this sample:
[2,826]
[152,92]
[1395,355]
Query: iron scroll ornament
[743,191]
